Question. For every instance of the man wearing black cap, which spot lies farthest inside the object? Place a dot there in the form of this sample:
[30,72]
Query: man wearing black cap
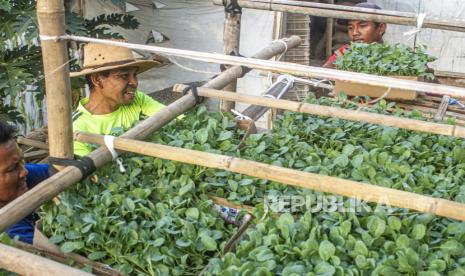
[360,31]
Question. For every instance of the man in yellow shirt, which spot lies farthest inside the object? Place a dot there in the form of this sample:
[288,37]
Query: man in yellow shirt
[114,102]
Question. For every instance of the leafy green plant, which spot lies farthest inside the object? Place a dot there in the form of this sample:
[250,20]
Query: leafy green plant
[96,219]
[385,59]
[150,220]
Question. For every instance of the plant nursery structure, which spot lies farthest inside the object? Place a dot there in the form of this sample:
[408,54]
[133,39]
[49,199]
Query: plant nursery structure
[51,23]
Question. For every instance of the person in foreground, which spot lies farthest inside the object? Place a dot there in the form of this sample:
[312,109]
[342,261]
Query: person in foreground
[114,102]
[16,178]
[360,32]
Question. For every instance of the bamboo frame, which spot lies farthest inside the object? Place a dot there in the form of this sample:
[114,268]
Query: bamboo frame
[51,19]
[24,263]
[328,184]
[329,34]
[231,42]
[51,187]
[336,112]
[346,12]
[293,69]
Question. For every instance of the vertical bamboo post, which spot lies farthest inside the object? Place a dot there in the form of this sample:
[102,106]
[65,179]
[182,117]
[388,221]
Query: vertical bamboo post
[51,18]
[329,34]
[231,39]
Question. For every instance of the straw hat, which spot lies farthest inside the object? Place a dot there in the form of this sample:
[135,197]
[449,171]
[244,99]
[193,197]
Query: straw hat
[100,57]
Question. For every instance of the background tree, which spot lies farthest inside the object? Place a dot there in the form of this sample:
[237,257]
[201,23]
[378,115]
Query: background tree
[21,70]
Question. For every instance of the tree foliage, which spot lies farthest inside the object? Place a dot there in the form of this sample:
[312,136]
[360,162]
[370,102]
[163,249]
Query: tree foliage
[21,69]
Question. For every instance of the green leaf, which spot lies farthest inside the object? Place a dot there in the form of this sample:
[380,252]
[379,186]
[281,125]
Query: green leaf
[341,161]
[348,149]
[97,255]
[192,213]
[293,269]
[325,268]
[225,135]
[394,223]
[183,242]
[376,226]
[418,231]
[452,247]
[360,248]
[326,250]
[186,188]
[208,242]
[201,135]
[158,242]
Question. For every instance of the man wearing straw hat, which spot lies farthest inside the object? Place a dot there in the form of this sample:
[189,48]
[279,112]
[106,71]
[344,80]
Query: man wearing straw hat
[360,31]
[114,101]
[16,178]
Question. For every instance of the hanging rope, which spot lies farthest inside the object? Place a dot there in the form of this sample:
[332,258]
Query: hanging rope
[110,144]
[414,32]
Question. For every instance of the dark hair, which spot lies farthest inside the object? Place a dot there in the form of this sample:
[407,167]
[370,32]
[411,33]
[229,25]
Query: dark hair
[89,80]
[7,132]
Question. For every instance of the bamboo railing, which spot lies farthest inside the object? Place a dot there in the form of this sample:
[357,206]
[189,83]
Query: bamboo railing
[328,184]
[336,112]
[347,12]
[292,68]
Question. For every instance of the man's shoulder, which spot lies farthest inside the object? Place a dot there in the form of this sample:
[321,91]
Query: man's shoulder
[36,173]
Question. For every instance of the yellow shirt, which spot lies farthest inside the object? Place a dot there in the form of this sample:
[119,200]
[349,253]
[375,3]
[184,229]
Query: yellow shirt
[121,119]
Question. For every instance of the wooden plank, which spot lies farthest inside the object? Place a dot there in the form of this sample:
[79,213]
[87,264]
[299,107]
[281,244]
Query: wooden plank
[25,263]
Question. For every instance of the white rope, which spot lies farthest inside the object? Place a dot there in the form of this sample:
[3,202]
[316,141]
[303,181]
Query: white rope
[110,144]
[240,116]
[413,33]
[191,69]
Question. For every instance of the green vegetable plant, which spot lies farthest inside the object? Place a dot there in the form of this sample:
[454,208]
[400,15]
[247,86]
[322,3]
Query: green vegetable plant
[385,60]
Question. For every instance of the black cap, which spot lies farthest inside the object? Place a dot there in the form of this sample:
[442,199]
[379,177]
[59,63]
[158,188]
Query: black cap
[359,5]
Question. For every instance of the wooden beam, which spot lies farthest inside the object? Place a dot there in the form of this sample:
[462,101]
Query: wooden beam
[51,19]
[24,263]
[51,187]
[322,183]
[347,12]
[32,143]
[329,34]
[231,41]
[336,112]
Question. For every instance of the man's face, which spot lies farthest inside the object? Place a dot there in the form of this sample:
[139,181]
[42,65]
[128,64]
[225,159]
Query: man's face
[12,172]
[120,86]
[365,31]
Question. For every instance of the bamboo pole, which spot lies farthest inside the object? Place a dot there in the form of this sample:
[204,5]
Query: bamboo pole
[354,13]
[336,112]
[51,19]
[97,268]
[329,34]
[294,69]
[32,143]
[328,184]
[51,187]
[231,40]
[24,263]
